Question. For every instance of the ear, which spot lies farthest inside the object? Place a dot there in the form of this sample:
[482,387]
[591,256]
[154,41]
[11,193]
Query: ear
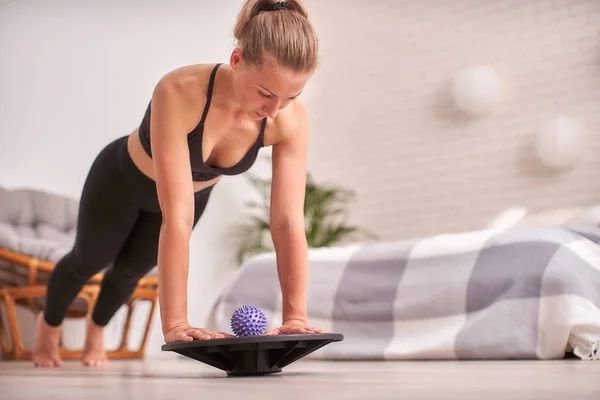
[237,58]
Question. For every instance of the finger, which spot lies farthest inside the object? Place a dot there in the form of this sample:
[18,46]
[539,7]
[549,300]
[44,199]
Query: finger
[273,332]
[198,334]
[177,337]
[294,331]
[216,335]
[182,337]
[315,330]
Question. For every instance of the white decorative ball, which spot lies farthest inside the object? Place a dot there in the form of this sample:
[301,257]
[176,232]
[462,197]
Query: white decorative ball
[476,89]
[561,143]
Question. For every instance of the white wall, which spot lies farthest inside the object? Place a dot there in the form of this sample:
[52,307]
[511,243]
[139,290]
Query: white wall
[383,124]
[77,74]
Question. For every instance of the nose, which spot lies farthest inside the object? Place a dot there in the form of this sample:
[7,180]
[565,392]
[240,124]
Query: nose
[272,108]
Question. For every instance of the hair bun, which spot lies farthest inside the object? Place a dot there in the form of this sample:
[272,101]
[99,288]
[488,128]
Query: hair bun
[279,5]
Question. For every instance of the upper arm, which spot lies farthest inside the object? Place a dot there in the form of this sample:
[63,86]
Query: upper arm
[170,154]
[289,173]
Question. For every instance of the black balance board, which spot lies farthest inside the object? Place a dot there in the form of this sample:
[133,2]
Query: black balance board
[253,355]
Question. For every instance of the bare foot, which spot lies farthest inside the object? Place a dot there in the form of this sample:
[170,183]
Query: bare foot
[93,352]
[45,352]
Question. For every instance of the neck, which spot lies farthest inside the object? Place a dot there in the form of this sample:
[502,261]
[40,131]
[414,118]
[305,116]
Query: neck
[230,100]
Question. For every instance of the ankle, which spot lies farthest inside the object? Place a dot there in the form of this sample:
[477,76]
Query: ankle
[44,324]
[93,324]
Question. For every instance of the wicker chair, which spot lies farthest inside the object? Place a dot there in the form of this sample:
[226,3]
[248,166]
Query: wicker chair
[36,229]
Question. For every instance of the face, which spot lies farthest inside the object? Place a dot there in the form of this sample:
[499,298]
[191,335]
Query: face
[264,91]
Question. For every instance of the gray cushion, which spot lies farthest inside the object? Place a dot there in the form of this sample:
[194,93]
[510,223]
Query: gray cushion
[37,223]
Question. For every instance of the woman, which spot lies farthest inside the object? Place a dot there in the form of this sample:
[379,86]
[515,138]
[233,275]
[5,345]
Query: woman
[146,191]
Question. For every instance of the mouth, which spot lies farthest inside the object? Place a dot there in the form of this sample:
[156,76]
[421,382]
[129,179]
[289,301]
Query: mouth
[259,115]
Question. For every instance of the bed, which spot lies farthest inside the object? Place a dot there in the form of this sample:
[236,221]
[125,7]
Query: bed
[518,292]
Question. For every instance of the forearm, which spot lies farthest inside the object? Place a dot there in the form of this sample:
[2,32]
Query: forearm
[292,268]
[173,266]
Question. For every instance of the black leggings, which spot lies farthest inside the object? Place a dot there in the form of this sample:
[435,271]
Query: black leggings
[118,227]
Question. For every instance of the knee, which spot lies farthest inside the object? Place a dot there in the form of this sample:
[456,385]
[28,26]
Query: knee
[135,265]
[77,267]
[131,271]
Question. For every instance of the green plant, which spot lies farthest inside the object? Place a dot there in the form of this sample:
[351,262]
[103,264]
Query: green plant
[325,213]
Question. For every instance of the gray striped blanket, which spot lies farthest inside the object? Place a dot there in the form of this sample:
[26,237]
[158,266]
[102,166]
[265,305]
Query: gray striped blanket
[515,294]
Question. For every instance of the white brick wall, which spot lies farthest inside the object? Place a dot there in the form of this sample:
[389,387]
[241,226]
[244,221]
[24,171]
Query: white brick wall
[382,122]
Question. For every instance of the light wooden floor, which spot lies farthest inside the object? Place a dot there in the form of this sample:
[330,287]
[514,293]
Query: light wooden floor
[307,380]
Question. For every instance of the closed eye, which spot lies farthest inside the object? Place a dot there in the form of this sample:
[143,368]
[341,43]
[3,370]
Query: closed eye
[268,96]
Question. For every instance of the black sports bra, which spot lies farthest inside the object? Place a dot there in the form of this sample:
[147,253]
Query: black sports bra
[201,171]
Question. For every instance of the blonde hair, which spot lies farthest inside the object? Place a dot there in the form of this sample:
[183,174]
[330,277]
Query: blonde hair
[284,33]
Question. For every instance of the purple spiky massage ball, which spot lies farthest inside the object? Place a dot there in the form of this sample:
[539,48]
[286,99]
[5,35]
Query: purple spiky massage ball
[248,320]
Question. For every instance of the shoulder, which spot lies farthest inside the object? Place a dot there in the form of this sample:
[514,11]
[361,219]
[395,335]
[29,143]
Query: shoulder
[291,124]
[181,95]
[186,84]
